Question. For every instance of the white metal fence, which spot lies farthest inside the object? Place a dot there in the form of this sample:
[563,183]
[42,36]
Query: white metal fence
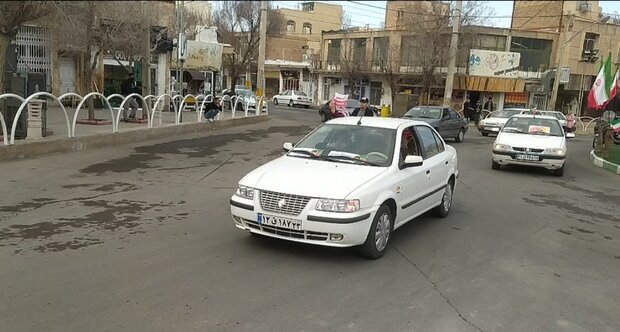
[153,110]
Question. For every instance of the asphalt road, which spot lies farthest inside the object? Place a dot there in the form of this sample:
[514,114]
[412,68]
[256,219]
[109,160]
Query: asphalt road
[139,238]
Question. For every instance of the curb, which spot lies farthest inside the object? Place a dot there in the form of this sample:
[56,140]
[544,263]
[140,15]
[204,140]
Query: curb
[602,163]
[30,149]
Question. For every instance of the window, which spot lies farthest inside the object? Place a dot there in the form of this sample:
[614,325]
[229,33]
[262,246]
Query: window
[290,26]
[307,28]
[454,115]
[491,43]
[333,50]
[535,53]
[380,48]
[400,16]
[308,7]
[359,49]
[428,141]
[590,44]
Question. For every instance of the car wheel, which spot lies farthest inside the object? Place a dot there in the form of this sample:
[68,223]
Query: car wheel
[379,234]
[290,103]
[275,101]
[460,136]
[559,171]
[495,165]
[443,209]
[484,134]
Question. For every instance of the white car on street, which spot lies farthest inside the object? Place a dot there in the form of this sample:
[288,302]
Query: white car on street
[350,182]
[292,98]
[531,140]
[494,122]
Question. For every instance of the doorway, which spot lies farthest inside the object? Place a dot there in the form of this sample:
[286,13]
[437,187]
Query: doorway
[474,96]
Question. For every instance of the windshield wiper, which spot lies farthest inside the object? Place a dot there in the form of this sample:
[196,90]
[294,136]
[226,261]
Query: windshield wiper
[339,158]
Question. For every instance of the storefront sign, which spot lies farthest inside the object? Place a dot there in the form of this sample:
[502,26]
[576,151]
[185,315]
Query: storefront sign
[493,63]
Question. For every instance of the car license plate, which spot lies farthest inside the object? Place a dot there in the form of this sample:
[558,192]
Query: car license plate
[527,157]
[267,220]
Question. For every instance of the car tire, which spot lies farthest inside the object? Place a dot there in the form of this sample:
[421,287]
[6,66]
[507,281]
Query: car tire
[290,103]
[383,222]
[484,134]
[460,136]
[495,165]
[559,172]
[445,206]
[275,101]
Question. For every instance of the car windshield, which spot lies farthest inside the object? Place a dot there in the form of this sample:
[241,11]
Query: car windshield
[362,145]
[244,93]
[424,113]
[533,126]
[300,93]
[503,114]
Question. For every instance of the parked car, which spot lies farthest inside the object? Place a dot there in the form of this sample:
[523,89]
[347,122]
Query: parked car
[347,184]
[494,122]
[292,98]
[531,140]
[249,99]
[445,120]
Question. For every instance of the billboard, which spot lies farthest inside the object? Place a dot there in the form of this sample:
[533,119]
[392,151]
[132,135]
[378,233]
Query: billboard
[493,63]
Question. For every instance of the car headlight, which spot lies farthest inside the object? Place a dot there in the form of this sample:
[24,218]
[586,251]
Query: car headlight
[557,152]
[245,192]
[338,205]
[502,147]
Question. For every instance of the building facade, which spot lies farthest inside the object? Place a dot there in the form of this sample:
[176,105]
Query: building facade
[587,36]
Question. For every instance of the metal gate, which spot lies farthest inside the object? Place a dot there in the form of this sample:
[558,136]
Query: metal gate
[33,51]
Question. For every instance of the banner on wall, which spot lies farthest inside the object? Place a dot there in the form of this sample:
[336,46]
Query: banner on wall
[493,63]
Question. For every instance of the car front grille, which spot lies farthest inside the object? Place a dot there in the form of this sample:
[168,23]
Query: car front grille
[296,234]
[530,150]
[283,203]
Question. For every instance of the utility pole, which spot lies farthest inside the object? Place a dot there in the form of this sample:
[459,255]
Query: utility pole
[146,58]
[262,45]
[456,23]
[559,60]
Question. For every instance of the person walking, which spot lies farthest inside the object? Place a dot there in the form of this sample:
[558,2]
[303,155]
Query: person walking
[477,112]
[128,87]
[489,106]
[365,108]
[468,110]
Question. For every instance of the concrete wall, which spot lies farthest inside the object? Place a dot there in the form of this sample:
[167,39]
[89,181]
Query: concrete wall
[411,13]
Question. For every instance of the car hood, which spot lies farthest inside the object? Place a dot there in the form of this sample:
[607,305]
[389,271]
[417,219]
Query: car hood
[530,141]
[312,178]
[494,121]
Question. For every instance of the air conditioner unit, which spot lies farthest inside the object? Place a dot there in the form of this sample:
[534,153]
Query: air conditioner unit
[586,7]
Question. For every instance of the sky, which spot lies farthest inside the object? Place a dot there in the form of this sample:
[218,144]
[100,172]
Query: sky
[364,12]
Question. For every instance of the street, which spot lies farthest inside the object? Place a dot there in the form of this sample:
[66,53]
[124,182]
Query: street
[139,237]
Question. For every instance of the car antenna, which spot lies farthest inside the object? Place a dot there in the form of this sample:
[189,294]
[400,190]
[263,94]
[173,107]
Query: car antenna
[359,122]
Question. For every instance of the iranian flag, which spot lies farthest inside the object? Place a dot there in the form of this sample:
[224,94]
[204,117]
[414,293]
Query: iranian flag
[615,124]
[614,87]
[602,88]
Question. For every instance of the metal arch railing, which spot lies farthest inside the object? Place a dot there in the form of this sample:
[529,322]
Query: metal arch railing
[157,108]
[182,106]
[25,102]
[9,139]
[145,108]
[79,107]
[5,133]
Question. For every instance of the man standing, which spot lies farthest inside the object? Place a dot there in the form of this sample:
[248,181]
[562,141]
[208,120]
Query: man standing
[488,106]
[468,110]
[365,108]
[128,87]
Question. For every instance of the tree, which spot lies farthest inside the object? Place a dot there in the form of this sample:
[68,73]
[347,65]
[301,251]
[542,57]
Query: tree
[238,24]
[354,66]
[95,28]
[12,15]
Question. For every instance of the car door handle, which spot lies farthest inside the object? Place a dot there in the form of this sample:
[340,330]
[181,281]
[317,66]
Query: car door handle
[446,162]
[428,171]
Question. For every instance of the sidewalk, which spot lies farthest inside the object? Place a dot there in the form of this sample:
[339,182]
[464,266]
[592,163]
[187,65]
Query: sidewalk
[94,136]
[57,126]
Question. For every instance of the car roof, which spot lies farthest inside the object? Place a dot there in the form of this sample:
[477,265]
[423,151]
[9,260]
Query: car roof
[534,116]
[389,123]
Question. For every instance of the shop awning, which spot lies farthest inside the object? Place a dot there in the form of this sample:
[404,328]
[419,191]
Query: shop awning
[489,84]
[197,75]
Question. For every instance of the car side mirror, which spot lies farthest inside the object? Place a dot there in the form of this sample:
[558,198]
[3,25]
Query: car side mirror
[413,161]
[570,135]
[288,146]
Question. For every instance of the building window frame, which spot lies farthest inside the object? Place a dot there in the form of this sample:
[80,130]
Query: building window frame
[307,28]
[290,26]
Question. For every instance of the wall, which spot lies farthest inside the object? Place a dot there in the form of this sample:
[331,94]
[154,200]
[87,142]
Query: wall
[534,15]
[608,42]
[412,12]
[286,48]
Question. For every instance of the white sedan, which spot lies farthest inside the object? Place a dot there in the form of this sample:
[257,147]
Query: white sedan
[349,184]
[292,98]
[531,140]
[494,122]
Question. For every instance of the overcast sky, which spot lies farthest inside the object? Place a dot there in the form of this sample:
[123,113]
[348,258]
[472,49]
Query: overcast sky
[364,12]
